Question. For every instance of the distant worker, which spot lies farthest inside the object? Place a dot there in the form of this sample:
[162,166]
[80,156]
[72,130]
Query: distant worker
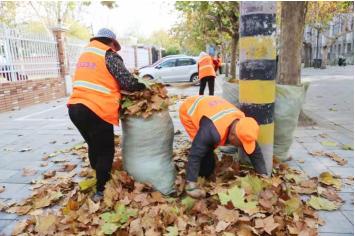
[206,73]
[94,105]
[219,63]
[211,121]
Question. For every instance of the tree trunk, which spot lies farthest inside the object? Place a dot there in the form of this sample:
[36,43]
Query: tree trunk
[291,39]
[325,50]
[234,56]
[307,47]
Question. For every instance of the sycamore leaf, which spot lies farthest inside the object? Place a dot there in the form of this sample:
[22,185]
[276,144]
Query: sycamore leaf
[329,143]
[224,214]
[320,203]
[328,179]
[347,147]
[292,205]
[109,228]
[236,196]
[20,227]
[221,225]
[49,174]
[252,184]
[223,198]
[172,231]
[188,202]
[87,184]
[28,172]
[46,224]
[127,103]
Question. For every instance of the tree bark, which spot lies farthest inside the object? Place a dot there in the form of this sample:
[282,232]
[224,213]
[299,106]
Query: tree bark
[325,50]
[291,40]
[234,56]
[307,47]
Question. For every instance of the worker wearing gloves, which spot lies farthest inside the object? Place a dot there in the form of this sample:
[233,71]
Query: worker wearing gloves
[211,121]
[95,102]
[206,73]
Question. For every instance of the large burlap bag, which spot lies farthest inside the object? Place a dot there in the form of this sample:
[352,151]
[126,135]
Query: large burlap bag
[147,150]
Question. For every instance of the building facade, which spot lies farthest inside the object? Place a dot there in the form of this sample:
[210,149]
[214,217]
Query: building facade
[343,45]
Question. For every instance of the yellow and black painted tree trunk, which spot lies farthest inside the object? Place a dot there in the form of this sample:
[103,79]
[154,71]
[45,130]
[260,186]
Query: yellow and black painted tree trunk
[257,69]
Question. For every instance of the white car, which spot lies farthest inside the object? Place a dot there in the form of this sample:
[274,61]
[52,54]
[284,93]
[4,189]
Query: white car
[170,69]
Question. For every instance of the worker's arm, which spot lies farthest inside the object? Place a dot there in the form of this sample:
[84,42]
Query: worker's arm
[257,160]
[203,144]
[125,79]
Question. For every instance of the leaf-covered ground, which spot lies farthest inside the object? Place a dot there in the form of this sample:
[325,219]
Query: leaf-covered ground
[238,202]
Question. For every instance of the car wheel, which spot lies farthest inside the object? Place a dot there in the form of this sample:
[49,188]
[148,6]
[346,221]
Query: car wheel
[194,78]
[148,77]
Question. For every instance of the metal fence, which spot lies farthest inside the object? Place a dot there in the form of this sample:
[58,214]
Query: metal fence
[28,56]
[73,49]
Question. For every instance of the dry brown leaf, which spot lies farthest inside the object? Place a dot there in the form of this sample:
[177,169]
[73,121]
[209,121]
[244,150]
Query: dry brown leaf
[67,167]
[341,161]
[93,207]
[49,174]
[269,224]
[224,214]
[28,172]
[20,210]
[46,224]
[43,164]
[221,225]
[157,197]
[135,228]
[20,227]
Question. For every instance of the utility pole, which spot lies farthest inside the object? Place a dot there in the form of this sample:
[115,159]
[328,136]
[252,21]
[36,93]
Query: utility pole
[257,70]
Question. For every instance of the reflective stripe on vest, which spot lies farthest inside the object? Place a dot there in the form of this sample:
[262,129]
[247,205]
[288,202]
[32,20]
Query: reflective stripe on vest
[222,114]
[194,105]
[96,51]
[88,85]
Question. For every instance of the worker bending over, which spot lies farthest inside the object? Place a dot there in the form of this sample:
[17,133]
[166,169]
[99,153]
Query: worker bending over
[211,121]
[95,102]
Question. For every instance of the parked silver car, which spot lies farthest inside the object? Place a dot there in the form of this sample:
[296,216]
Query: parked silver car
[175,68]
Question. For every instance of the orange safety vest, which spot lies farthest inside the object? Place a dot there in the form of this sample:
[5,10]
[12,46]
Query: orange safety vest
[93,84]
[205,67]
[219,59]
[218,110]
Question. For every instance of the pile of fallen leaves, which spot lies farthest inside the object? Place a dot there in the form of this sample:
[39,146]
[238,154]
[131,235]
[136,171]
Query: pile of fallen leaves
[238,202]
[144,103]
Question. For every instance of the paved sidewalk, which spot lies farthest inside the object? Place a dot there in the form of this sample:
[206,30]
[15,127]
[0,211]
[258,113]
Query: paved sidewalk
[46,128]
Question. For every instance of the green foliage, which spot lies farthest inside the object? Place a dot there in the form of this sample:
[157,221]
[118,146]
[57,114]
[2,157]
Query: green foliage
[8,12]
[206,22]
[319,13]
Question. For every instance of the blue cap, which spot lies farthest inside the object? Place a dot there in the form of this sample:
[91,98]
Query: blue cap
[106,33]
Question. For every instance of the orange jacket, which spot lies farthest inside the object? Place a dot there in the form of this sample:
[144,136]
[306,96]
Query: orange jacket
[219,59]
[93,84]
[219,111]
[205,67]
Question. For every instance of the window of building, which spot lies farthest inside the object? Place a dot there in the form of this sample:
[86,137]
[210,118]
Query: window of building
[339,48]
[348,50]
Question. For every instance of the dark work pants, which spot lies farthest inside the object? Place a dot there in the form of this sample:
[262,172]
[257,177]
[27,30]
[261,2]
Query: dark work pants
[99,136]
[201,160]
[204,81]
